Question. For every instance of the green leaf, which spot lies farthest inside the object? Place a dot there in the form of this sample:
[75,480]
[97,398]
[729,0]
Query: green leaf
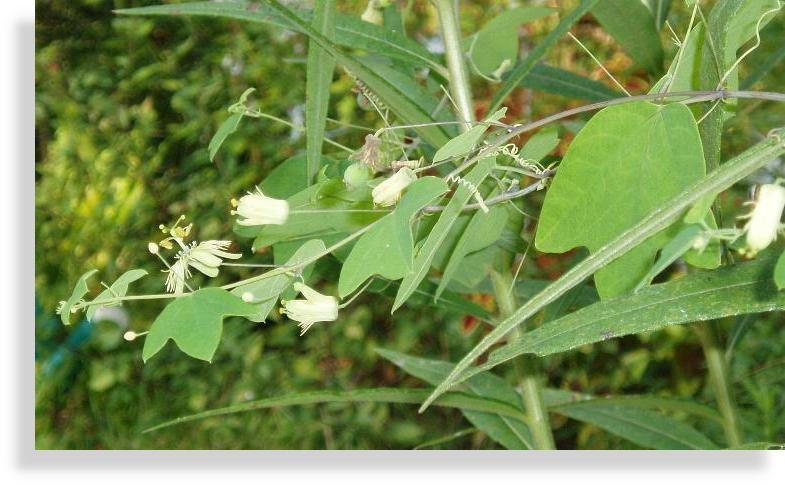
[643,401]
[402,94]
[117,289]
[742,28]
[684,72]
[660,218]
[228,127]
[540,145]
[350,32]
[633,26]
[387,248]
[522,69]
[763,68]
[779,272]
[267,291]
[425,295]
[553,80]
[79,291]
[319,76]
[497,42]
[626,161]
[640,426]
[195,322]
[676,247]
[716,57]
[426,253]
[483,229]
[659,10]
[510,433]
[735,290]
[762,445]
[462,144]
[386,395]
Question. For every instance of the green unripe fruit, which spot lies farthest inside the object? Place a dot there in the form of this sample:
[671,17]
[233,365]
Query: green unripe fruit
[357,175]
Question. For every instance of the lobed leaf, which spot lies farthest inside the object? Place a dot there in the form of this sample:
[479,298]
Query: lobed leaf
[195,322]
[660,218]
[616,170]
[387,248]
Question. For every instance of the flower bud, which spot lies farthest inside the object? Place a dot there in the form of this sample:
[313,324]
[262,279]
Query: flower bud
[372,13]
[257,209]
[315,308]
[765,217]
[389,191]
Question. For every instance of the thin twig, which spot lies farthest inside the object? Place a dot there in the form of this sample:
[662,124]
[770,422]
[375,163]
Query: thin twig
[506,196]
[692,97]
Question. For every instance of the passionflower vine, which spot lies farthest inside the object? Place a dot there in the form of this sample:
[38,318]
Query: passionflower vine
[315,308]
[204,257]
[764,220]
[389,191]
[256,209]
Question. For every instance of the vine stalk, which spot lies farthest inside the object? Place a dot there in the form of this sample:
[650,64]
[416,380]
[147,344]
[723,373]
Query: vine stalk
[456,65]
[526,366]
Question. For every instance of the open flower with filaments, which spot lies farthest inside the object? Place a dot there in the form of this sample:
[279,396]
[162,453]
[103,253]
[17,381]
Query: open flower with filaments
[204,257]
[256,209]
[389,191]
[315,308]
[764,220]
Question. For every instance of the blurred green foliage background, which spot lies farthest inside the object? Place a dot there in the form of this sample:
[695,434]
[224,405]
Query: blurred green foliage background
[125,108]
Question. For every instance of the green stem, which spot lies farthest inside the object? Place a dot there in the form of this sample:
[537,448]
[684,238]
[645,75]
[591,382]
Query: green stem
[456,64]
[527,367]
[719,377]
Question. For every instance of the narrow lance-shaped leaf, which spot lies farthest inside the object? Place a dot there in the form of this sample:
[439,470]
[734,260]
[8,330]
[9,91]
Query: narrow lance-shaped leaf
[481,228]
[79,291]
[385,395]
[462,144]
[319,75]
[676,247]
[633,26]
[553,80]
[401,95]
[660,218]
[117,289]
[228,127]
[734,290]
[510,433]
[350,31]
[643,427]
[424,257]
